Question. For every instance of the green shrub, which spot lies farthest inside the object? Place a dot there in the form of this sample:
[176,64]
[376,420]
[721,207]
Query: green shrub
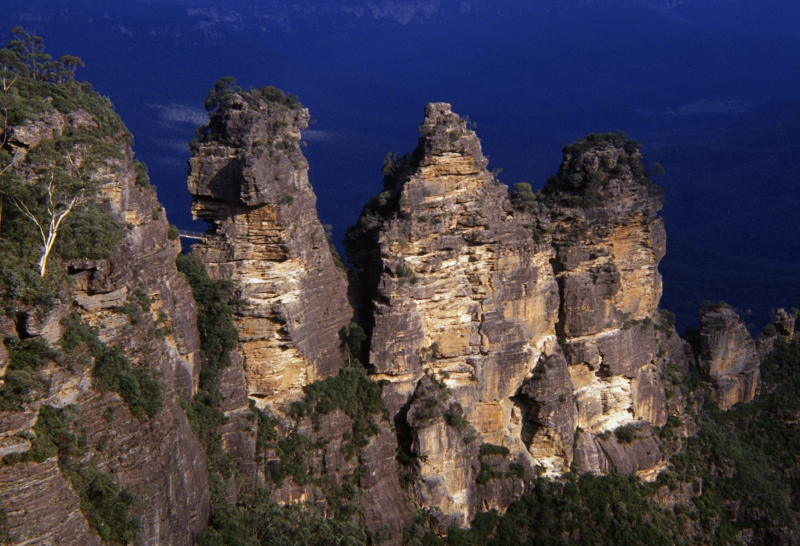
[142,177]
[113,371]
[492,449]
[26,357]
[352,392]
[404,271]
[106,505]
[271,524]
[454,416]
[626,434]
[172,233]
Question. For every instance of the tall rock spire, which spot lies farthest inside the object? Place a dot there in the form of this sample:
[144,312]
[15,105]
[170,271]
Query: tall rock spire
[461,294]
[250,182]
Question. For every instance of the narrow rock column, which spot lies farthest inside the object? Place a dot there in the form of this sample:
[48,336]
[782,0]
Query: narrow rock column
[250,182]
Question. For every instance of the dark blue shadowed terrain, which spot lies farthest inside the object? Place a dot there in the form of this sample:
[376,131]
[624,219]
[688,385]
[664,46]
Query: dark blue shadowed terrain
[710,87]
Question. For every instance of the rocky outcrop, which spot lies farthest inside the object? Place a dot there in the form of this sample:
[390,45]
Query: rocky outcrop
[139,306]
[249,180]
[602,216]
[32,520]
[460,291]
[538,314]
[727,356]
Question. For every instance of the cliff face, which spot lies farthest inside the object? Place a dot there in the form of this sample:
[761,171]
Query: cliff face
[249,180]
[728,357]
[460,291]
[142,310]
[537,314]
[608,241]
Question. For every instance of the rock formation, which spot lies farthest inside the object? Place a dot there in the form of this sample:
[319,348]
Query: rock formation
[538,314]
[249,180]
[727,355]
[142,309]
[608,240]
[510,336]
[460,291]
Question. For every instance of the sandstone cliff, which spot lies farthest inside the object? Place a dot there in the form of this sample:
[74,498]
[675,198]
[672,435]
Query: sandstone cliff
[141,324]
[460,291]
[727,356]
[538,314]
[249,180]
[602,215]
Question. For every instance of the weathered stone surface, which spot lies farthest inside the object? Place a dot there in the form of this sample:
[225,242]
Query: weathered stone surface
[384,500]
[250,183]
[41,506]
[682,495]
[728,357]
[459,290]
[609,240]
[548,413]
[480,293]
[45,324]
[238,433]
[605,453]
[447,456]
[158,460]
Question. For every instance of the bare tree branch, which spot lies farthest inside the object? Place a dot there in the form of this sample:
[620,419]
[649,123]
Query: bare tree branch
[53,220]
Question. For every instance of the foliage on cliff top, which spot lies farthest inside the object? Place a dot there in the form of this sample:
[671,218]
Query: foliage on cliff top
[227,95]
[56,176]
[225,89]
[34,83]
[577,186]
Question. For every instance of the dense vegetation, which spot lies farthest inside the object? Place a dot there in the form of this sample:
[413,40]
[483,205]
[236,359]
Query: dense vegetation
[575,188]
[47,211]
[218,337]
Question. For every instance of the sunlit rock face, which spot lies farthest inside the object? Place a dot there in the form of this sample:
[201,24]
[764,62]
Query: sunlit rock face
[537,314]
[728,357]
[249,180]
[601,213]
[460,291]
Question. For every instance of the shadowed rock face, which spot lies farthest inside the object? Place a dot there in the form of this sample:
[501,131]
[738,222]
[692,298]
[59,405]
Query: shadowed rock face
[157,459]
[728,357]
[249,180]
